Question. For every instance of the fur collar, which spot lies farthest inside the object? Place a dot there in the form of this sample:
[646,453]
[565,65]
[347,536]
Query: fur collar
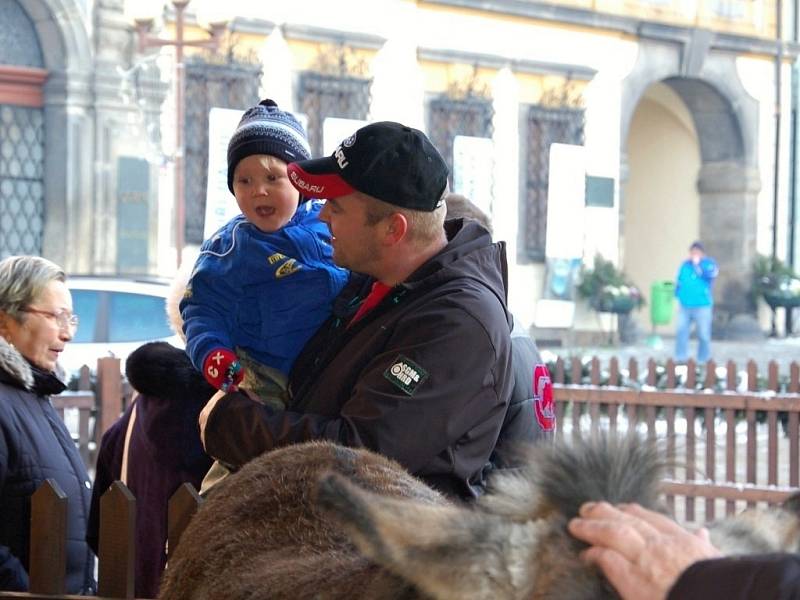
[15,365]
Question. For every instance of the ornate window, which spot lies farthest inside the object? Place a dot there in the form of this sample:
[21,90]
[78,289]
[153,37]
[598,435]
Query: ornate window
[464,109]
[450,117]
[21,184]
[21,134]
[335,86]
[545,125]
[232,83]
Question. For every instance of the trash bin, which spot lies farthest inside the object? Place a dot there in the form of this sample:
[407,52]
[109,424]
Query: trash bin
[662,294]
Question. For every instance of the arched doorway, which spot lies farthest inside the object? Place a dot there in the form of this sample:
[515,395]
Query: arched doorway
[661,211]
[689,145]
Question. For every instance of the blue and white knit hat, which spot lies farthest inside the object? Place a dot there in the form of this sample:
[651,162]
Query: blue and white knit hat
[265,129]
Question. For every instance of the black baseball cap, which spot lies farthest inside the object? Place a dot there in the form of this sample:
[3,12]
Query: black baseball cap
[386,160]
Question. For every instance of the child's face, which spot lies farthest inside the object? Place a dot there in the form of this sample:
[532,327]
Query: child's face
[263,192]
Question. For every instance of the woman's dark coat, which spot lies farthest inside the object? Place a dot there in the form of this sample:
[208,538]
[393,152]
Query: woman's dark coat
[34,446]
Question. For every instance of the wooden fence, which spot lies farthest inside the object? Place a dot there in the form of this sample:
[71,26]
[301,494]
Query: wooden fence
[117,537]
[701,419]
[753,434]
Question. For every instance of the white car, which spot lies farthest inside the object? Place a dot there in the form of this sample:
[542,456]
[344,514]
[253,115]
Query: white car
[116,316]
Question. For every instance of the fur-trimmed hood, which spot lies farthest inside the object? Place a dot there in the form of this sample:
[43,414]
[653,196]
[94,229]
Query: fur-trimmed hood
[14,369]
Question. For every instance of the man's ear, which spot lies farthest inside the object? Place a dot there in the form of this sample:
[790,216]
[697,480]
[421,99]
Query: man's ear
[396,228]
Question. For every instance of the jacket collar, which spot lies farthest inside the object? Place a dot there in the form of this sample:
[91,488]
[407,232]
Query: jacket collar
[16,369]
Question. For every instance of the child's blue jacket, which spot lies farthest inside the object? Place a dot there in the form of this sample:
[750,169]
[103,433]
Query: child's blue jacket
[266,293]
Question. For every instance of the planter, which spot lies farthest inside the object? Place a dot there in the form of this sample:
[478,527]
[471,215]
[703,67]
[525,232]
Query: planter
[778,300]
[620,305]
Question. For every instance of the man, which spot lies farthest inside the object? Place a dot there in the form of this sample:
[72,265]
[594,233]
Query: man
[693,289]
[414,362]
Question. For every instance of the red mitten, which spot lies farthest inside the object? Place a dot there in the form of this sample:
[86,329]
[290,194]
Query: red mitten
[223,370]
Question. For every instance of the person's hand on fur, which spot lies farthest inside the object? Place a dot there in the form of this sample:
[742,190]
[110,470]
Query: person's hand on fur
[642,553]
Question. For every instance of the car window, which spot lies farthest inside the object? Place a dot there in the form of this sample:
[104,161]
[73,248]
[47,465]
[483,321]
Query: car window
[137,317]
[86,304]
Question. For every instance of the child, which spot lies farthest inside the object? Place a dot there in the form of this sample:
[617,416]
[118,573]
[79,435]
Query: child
[265,281]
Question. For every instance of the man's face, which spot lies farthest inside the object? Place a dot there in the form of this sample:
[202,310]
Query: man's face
[696,255]
[355,243]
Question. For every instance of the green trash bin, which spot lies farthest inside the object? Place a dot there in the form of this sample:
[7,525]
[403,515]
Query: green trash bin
[662,296]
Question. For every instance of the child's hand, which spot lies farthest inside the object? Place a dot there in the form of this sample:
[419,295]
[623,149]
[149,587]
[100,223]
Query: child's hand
[223,370]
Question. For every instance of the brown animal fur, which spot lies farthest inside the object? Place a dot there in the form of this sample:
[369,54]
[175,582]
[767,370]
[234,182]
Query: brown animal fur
[260,534]
[320,521]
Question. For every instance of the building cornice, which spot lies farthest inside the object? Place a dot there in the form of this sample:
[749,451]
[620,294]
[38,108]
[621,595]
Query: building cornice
[323,35]
[657,30]
[492,61]
[254,26]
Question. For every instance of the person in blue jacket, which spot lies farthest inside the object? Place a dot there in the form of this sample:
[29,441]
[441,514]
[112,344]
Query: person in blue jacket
[265,282]
[694,292]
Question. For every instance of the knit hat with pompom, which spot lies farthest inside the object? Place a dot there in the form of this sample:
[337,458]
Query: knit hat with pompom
[265,129]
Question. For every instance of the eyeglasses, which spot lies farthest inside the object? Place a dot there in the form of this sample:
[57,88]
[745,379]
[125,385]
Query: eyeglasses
[65,320]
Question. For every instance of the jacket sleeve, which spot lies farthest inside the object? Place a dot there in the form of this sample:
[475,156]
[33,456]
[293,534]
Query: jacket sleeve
[13,576]
[468,392]
[709,269]
[753,577]
[206,309]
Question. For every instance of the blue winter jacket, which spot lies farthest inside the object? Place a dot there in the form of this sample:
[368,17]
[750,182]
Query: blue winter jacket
[266,293]
[694,283]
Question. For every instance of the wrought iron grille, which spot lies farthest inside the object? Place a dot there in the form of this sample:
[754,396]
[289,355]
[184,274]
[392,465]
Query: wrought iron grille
[449,117]
[21,180]
[545,126]
[230,84]
[323,95]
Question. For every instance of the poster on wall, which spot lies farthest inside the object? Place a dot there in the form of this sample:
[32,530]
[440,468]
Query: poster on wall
[221,206]
[335,129]
[566,193]
[473,167]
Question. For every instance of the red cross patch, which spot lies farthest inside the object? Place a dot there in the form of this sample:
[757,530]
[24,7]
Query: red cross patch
[543,403]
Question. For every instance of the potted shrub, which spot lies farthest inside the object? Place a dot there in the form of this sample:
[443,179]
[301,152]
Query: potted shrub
[608,289]
[776,282]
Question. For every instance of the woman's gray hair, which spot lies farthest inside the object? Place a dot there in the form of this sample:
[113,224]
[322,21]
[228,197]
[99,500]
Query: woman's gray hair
[22,281]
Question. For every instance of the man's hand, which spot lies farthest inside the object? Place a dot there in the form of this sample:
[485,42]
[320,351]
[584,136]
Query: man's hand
[642,553]
[222,369]
[203,418]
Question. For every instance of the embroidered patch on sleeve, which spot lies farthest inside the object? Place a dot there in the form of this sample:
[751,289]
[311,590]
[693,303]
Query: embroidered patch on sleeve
[405,374]
[543,398]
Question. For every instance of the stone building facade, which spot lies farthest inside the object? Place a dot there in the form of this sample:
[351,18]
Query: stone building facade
[672,104]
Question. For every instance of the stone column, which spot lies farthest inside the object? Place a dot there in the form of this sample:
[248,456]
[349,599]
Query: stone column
[728,198]
[128,95]
[68,228]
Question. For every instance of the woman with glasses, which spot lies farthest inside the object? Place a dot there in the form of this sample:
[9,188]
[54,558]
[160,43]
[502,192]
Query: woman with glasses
[36,322]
